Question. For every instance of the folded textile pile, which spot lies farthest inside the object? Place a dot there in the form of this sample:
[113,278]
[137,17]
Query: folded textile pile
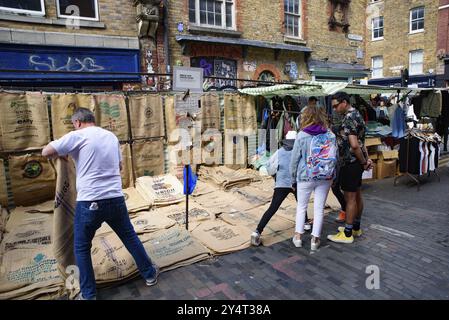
[135,202]
[174,248]
[160,190]
[222,237]
[28,266]
[224,177]
[143,222]
[4,215]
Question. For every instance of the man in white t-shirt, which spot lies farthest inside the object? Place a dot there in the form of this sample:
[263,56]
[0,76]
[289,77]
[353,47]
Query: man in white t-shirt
[97,156]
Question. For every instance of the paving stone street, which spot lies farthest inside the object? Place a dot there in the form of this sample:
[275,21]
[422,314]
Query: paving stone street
[406,235]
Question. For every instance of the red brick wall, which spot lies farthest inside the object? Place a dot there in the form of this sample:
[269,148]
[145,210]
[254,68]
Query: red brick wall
[267,67]
[443,27]
[238,13]
[304,18]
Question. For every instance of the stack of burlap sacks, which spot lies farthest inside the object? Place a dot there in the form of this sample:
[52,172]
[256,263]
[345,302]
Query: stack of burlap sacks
[37,250]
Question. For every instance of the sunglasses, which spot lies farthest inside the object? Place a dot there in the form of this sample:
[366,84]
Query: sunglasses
[335,106]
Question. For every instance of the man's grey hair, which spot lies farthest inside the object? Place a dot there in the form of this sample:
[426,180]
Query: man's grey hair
[83,115]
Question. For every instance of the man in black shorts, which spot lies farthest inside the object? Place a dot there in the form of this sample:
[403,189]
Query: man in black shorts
[353,160]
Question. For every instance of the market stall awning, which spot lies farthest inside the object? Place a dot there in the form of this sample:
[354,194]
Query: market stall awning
[328,68]
[320,88]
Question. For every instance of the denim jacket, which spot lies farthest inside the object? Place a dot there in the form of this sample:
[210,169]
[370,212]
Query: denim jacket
[299,157]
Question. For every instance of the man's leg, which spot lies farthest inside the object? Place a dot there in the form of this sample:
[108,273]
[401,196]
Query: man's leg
[278,197]
[85,224]
[351,177]
[119,222]
[336,190]
[351,211]
[360,207]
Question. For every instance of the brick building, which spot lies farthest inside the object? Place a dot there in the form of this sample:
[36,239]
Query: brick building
[283,40]
[45,35]
[402,35]
[338,51]
[443,44]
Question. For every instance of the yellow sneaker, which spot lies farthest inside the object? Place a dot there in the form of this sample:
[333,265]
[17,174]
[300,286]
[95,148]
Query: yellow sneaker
[355,233]
[340,238]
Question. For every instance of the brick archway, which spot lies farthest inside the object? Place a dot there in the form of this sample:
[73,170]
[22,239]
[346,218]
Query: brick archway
[267,67]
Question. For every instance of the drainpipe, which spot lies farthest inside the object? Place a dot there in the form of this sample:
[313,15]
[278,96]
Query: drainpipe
[166,46]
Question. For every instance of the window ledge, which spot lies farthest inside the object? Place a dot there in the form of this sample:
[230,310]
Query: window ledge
[230,33]
[416,32]
[42,20]
[377,39]
[294,40]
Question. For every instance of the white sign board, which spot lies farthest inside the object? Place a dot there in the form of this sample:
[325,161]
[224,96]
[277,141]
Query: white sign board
[355,37]
[185,78]
[188,105]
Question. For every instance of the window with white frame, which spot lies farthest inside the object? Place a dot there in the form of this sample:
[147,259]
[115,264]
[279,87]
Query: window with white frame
[377,66]
[84,9]
[292,19]
[212,13]
[378,28]
[34,7]
[416,62]
[417,20]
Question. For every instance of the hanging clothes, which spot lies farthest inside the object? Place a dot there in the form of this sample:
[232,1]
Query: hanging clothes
[398,123]
[419,152]
[443,120]
[431,105]
[416,101]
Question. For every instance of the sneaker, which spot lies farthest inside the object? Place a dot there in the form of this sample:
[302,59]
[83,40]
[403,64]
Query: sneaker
[152,281]
[297,242]
[314,243]
[80,297]
[341,217]
[308,225]
[355,233]
[255,238]
[340,238]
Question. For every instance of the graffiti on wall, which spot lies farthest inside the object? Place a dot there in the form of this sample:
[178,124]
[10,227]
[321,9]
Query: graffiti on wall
[49,63]
[249,66]
[217,67]
[291,69]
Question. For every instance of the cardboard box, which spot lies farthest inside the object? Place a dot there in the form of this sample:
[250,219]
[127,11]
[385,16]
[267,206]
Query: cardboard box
[390,154]
[372,142]
[386,168]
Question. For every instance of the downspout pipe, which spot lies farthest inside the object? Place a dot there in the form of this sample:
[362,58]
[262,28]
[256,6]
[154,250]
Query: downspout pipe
[166,46]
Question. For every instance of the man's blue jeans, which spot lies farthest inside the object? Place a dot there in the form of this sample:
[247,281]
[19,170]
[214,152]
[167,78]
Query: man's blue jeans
[88,218]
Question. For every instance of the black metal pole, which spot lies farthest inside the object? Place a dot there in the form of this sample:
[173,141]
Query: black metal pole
[187,195]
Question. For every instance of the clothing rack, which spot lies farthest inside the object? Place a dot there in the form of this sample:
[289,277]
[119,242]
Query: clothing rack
[414,177]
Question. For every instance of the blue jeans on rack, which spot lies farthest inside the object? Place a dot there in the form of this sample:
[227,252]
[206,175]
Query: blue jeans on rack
[89,216]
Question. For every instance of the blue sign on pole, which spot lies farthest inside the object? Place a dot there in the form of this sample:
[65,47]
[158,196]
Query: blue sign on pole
[73,59]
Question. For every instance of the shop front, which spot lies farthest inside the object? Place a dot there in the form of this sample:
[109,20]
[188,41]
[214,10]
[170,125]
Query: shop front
[336,72]
[67,67]
[238,63]
[420,81]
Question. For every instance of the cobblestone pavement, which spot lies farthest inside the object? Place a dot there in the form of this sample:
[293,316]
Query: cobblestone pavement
[406,235]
